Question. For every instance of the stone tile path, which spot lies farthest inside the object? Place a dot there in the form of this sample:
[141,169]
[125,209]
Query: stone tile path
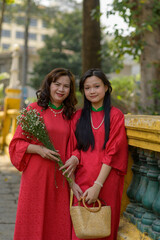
[9,189]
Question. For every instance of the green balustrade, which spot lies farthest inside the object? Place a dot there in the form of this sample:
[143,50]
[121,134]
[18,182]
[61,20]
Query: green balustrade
[155,230]
[131,191]
[139,211]
[150,194]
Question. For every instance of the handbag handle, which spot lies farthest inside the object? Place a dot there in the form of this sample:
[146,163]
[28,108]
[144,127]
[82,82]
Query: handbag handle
[96,209]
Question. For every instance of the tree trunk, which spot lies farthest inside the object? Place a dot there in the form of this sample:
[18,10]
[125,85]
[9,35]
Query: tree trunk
[25,54]
[150,65]
[91,36]
[2,16]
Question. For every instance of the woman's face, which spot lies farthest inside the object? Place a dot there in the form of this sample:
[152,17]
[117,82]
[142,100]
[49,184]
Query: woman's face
[59,90]
[94,90]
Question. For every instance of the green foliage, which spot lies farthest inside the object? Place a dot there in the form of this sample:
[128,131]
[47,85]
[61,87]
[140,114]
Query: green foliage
[4,75]
[63,49]
[79,97]
[109,62]
[1,91]
[10,1]
[125,93]
[131,11]
[7,2]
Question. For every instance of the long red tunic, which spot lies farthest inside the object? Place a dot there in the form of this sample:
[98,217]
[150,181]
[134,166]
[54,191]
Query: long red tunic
[114,155]
[43,208]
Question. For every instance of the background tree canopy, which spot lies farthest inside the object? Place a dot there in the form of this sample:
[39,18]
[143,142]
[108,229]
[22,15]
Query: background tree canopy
[64,48]
[61,49]
[143,43]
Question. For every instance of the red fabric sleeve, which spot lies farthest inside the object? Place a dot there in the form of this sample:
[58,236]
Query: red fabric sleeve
[70,145]
[19,144]
[116,151]
[17,150]
[74,149]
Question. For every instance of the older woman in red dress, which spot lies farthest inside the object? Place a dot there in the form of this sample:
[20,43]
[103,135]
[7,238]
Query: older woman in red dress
[43,204]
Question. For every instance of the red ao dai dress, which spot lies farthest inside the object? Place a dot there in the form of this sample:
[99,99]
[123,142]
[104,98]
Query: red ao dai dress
[43,208]
[115,155]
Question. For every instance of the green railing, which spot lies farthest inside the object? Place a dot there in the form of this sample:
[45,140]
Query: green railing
[143,134]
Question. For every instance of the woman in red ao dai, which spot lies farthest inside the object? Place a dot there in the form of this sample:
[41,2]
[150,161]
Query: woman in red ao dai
[101,147]
[43,205]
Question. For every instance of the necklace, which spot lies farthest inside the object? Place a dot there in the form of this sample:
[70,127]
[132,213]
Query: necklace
[55,113]
[99,124]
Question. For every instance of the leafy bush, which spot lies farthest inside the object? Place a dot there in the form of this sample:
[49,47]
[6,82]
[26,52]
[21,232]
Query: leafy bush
[125,93]
[4,75]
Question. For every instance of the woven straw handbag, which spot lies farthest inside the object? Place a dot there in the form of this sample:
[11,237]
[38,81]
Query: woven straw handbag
[91,222]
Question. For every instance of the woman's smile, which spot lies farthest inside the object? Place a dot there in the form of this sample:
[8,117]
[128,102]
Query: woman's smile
[60,94]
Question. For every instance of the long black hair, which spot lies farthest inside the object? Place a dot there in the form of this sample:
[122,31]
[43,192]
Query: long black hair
[43,94]
[84,134]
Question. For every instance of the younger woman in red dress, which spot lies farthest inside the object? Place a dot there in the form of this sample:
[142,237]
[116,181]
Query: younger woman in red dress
[43,205]
[101,147]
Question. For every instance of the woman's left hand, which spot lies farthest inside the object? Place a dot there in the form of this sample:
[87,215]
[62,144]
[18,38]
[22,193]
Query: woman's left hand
[92,193]
[76,191]
[70,165]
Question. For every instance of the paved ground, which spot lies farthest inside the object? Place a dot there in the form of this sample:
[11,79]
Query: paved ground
[9,188]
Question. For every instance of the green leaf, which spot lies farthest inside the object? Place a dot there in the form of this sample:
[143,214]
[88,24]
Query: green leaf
[143,1]
[118,71]
[10,1]
[149,28]
[119,97]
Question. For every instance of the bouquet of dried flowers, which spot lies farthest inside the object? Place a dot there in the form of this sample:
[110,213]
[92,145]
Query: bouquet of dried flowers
[33,127]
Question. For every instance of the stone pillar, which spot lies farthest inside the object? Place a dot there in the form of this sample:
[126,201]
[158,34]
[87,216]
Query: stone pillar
[13,91]
[12,99]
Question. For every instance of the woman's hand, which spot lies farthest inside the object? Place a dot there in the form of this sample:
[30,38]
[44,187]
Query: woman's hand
[92,193]
[70,165]
[76,190]
[49,154]
[43,152]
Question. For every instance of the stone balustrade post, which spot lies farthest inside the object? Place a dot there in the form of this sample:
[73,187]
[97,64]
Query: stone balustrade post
[131,191]
[139,211]
[154,231]
[150,194]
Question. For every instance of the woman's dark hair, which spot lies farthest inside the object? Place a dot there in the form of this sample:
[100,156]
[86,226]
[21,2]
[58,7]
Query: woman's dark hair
[84,133]
[43,94]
